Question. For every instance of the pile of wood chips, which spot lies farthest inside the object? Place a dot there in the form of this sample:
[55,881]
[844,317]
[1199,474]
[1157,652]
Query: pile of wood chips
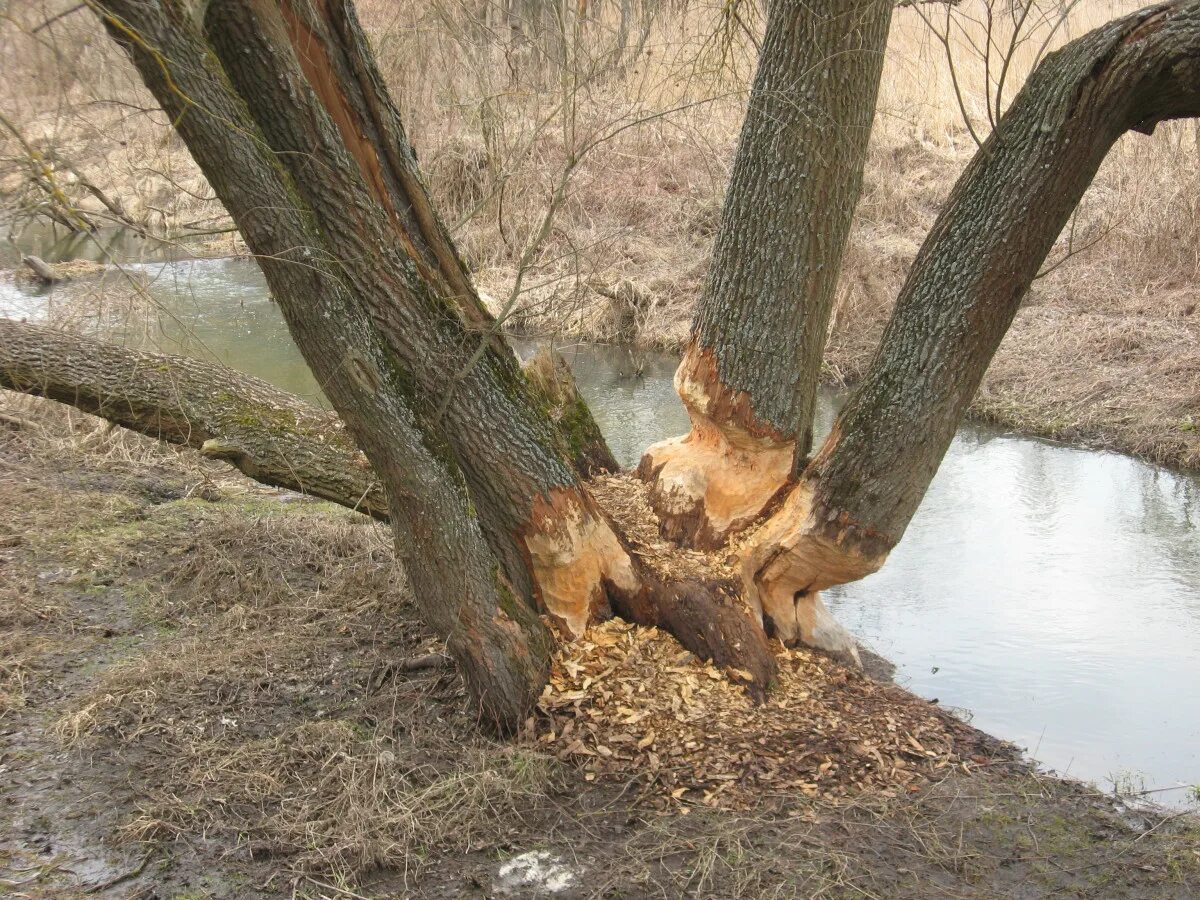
[627,701]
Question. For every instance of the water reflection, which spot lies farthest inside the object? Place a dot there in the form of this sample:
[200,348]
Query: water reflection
[53,243]
[1054,592]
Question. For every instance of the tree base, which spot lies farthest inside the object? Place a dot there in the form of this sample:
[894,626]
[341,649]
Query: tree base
[789,561]
[723,474]
[694,596]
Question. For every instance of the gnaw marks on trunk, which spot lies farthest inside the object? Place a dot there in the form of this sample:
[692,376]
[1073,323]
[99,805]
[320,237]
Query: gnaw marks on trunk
[855,499]
[278,439]
[749,376]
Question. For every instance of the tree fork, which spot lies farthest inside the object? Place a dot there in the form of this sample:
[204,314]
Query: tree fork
[749,376]
[857,496]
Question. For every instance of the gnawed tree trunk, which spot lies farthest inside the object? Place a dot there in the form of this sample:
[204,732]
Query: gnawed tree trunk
[855,499]
[330,300]
[342,143]
[749,374]
[283,109]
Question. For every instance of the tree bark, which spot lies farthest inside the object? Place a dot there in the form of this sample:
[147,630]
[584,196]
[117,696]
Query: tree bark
[750,372]
[270,435]
[278,439]
[288,61]
[282,108]
[857,496]
[499,644]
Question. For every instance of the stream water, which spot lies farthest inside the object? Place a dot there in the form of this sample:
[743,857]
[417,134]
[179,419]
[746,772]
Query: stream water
[1054,593]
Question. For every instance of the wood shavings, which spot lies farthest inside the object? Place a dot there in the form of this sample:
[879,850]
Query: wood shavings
[619,704]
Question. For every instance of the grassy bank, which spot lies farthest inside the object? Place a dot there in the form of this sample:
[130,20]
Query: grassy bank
[202,694]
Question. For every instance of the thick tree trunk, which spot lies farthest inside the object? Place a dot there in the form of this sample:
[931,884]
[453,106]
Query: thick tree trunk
[281,106]
[289,62]
[749,375]
[857,496]
[270,435]
[278,439]
[500,645]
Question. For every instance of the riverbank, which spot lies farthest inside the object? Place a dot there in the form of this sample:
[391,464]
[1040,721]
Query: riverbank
[202,691]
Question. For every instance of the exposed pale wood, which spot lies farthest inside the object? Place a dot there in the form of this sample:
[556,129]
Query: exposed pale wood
[857,496]
[749,378]
[721,475]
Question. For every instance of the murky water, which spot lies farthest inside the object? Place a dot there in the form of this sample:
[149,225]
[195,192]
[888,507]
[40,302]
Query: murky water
[1052,592]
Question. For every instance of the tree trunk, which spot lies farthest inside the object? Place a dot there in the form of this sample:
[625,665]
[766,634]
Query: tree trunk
[283,109]
[270,435]
[749,374]
[856,497]
[500,645]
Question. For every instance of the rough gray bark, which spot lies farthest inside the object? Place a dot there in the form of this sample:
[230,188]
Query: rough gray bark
[300,70]
[859,493]
[749,375]
[270,435]
[501,647]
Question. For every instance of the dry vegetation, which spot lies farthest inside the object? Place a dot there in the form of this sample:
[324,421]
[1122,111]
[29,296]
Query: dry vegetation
[584,182]
[202,682]
[205,696]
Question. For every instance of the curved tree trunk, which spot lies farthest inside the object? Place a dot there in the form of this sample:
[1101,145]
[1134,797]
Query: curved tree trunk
[498,642]
[858,494]
[270,435]
[749,374]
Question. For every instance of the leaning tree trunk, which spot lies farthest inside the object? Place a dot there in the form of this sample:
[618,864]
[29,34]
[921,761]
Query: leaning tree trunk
[855,499]
[270,435]
[501,646]
[282,107]
[749,374]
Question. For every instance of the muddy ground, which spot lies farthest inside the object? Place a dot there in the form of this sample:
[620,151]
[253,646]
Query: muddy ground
[200,697]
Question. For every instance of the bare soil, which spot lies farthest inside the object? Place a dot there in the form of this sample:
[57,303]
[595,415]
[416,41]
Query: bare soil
[202,694]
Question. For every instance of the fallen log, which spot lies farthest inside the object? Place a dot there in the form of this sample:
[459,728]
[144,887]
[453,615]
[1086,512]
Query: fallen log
[41,270]
[272,436]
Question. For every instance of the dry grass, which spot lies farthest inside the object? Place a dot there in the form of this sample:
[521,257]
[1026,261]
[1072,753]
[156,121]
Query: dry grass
[240,659]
